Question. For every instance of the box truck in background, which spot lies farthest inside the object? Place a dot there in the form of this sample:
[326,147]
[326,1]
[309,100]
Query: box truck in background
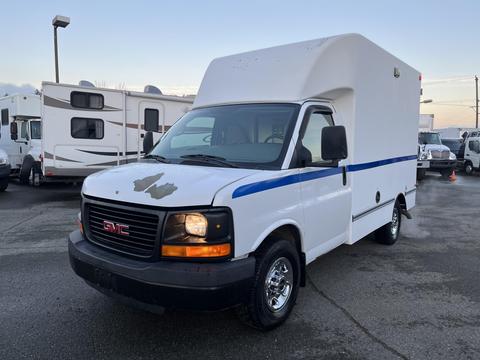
[286,154]
[20,132]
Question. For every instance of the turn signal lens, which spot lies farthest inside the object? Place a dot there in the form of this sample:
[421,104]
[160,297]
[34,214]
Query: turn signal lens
[196,224]
[79,222]
[201,251]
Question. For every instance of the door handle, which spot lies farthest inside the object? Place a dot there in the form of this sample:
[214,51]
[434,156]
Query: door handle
[344,175]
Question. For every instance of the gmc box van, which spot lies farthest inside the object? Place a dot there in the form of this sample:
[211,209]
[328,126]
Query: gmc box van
[286,154]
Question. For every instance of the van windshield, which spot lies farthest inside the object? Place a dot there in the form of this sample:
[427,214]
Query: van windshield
[429,138]
[247,135]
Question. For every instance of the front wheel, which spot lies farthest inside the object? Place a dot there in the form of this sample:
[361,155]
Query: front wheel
[388,233]
[421,174]
[468,168]
[275,286]
[3,184]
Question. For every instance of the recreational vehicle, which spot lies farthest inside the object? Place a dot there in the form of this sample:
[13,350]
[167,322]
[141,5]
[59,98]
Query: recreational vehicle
[286,154]
[20,132]
[87,129]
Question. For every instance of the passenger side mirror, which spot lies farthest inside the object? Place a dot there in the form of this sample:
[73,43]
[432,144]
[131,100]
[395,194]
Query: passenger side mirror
[334,143]
[14,131]
[148,142]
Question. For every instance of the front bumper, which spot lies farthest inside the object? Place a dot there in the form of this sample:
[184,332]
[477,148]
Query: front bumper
[442,164]
[4,171]
[170,284]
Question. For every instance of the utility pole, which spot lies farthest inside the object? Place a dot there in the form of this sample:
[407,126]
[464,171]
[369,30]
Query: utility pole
[476,101]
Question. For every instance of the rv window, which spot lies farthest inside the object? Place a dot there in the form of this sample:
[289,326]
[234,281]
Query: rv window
[86,100]
[4,116]
[35,129]
[83,128]
[151,120]
[312,138]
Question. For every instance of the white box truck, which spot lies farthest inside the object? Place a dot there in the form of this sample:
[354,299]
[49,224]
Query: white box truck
[86,128]
[286,154]
[20,132]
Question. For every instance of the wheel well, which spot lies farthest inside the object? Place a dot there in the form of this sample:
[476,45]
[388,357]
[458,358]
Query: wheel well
[291,233]
[402,201]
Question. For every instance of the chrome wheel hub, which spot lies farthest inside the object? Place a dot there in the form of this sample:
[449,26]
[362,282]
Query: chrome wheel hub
[395,222]
[279,284]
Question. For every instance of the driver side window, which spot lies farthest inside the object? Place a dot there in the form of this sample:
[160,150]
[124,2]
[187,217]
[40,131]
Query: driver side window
[312,137]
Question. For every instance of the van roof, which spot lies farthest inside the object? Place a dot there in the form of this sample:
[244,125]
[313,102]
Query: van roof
[314,69]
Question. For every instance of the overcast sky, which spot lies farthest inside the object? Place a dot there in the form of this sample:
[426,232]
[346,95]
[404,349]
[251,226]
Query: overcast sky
[169,44]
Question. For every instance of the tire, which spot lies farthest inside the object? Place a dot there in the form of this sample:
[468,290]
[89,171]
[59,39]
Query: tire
[421,174]
[446,172]
[468,168]
[3,184]
[26,170]
[264,309]
[388,233]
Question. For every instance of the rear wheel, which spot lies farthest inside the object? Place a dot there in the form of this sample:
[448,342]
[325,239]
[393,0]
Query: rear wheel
[26,170]
[468,168]
[388,233]
[275,286]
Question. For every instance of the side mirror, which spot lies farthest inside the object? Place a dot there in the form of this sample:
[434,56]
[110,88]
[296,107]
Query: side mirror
[13,131]
[148,142]
[334,143]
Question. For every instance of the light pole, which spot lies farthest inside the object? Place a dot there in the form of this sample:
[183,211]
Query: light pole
[58,21]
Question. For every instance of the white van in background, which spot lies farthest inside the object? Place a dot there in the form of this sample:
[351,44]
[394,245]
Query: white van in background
[86,129]
[20,132]
[286,154]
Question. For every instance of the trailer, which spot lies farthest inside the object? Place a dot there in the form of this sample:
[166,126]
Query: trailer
[87,129]
[288,153]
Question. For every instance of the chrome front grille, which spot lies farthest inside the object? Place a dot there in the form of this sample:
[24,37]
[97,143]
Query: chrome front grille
[440,154]
[127,230]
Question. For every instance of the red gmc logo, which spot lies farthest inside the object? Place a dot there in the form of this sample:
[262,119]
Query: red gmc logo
[111,227]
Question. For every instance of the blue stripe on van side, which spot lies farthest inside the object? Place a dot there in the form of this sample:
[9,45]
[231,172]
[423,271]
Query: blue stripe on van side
[369,165]
[260,186]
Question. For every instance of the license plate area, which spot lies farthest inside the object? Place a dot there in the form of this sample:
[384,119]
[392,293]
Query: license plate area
[104,279]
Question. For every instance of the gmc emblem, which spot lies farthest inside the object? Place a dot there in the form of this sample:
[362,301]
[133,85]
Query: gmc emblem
[111,227]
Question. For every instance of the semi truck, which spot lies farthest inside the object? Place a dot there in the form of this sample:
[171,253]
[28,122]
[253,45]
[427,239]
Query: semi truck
[433,155]
[285,155]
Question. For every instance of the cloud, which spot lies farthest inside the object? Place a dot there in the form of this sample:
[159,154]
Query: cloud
[6,88]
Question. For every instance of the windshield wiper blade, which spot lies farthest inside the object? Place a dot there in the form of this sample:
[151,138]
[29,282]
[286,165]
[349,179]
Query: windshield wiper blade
[211,159]
[159,158]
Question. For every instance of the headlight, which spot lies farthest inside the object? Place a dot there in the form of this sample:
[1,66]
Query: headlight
[196,224]
[429,155]
[198,234]
[452,156]
[423,156]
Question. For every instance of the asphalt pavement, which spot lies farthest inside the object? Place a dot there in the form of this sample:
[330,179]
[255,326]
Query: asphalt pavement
[418,299]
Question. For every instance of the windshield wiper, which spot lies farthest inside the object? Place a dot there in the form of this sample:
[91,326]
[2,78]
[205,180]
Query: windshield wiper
[210,159]
[158,158]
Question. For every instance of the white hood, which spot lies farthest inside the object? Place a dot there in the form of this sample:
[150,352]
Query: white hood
[166,185]
[437,147]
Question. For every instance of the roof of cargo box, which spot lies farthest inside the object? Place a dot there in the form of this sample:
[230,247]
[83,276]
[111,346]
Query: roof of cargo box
[294,72]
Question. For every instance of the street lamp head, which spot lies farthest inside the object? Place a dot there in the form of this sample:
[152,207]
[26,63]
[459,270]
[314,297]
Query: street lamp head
[426,101]
[61,21]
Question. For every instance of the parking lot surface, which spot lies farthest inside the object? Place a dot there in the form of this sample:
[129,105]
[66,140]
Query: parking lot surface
[418,299]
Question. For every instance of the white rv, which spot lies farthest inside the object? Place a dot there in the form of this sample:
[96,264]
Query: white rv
[286,154]
[86,129]
[20,132]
